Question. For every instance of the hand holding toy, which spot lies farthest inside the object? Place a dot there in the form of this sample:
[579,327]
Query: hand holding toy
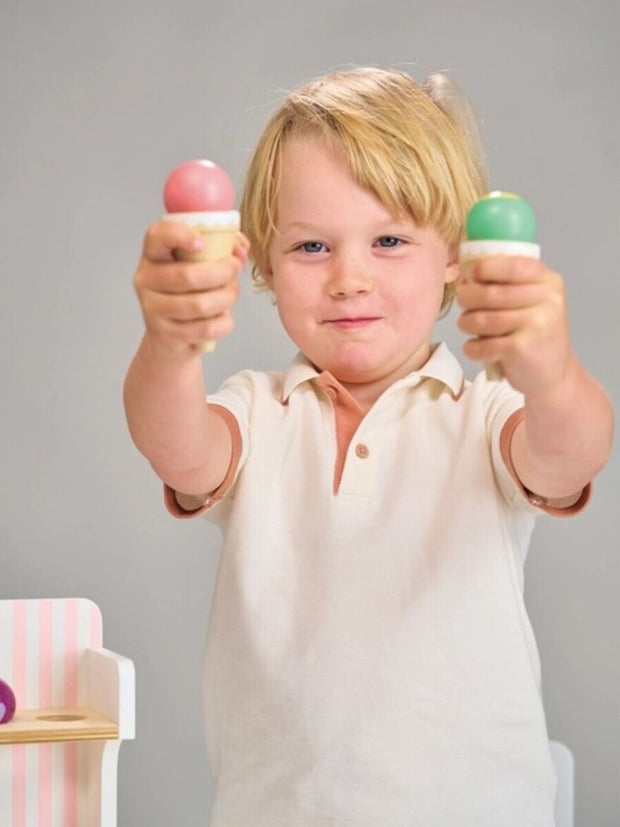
[200,194]
[500,224]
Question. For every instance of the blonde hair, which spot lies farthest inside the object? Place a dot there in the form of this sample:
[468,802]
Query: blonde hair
[416,147]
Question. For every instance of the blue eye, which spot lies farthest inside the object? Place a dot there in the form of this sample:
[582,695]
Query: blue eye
[312,247]
[389,241]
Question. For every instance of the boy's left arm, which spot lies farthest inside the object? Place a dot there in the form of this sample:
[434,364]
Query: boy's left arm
[515,310]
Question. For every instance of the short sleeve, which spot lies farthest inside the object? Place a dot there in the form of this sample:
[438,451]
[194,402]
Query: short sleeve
[233,402]
[535,500]
[505,411]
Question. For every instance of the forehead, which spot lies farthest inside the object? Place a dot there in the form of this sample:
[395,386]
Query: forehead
[307,158]
[316,175]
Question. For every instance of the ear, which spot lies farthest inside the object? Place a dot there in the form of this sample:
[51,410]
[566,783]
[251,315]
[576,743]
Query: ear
[452,270]
[267,274]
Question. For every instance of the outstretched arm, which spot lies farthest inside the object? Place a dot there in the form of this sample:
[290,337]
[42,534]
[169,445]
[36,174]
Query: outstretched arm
[184,304]
[515,311]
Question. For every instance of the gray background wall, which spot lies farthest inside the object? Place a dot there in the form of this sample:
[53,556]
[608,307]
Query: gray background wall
[99,101]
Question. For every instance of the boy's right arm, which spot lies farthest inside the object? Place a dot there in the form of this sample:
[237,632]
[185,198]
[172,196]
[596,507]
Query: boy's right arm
[184,304]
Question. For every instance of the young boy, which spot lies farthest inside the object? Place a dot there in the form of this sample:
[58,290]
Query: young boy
[369,661]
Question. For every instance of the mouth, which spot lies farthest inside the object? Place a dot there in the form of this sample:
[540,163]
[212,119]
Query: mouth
[351,322]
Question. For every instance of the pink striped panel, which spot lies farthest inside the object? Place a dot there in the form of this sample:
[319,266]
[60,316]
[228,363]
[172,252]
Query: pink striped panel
[48,637]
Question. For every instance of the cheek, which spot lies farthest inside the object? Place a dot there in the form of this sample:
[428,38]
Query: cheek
[422,291]
[297,325]
[292,303]
[420,303]
[294,291]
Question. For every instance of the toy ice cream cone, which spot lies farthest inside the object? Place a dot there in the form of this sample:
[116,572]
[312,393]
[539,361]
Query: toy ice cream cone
[500,224]
[201,195]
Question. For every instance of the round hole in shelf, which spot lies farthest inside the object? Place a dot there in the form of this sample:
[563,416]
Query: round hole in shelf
[61,718]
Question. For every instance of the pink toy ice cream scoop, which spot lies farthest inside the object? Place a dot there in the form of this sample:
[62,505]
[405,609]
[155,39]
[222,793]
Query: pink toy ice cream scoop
[200,194]
[198,186]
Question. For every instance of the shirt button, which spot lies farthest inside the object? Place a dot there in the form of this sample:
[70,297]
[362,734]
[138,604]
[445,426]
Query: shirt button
[361,450]
[331,392]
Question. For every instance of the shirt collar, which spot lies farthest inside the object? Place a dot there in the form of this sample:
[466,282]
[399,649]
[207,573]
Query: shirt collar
[441,366]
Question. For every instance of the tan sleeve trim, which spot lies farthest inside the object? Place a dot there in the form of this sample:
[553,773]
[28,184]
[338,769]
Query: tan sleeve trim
[170,499]
[548,506]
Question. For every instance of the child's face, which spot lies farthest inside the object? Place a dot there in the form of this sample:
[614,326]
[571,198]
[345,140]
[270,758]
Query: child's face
[358,290]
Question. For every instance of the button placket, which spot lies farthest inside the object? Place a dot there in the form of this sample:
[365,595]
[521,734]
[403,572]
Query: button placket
[359,472]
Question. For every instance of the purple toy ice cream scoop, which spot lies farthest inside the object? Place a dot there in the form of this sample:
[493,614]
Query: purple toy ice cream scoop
[7,703]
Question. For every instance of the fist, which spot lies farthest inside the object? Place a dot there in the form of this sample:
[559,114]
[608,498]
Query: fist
[514,312]
[186,302]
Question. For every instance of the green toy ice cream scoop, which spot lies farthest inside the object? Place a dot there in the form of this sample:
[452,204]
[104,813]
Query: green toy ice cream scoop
[501,216]
[500,223]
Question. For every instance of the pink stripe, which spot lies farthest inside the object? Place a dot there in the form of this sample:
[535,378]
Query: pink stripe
[46,676]
[71,785]
[46,699]
[71,699]
[45,785]
[71,653]
[19,687]
[19,786]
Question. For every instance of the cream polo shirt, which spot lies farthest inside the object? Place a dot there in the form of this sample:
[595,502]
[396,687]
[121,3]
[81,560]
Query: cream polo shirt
[369,659]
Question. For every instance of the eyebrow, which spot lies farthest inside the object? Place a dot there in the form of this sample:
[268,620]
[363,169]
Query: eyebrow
[380,226]
[305,226]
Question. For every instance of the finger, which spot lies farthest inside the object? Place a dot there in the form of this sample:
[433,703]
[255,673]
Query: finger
[493,296]
[510,349]
[242,242]
[508,269]
[241,249]
[215,328]
[489,323]
[188,277]
[197,332]
[191,306]
[164,237]
[489,350]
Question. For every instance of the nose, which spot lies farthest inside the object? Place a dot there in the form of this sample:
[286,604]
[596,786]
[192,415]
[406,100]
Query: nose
[349,276]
